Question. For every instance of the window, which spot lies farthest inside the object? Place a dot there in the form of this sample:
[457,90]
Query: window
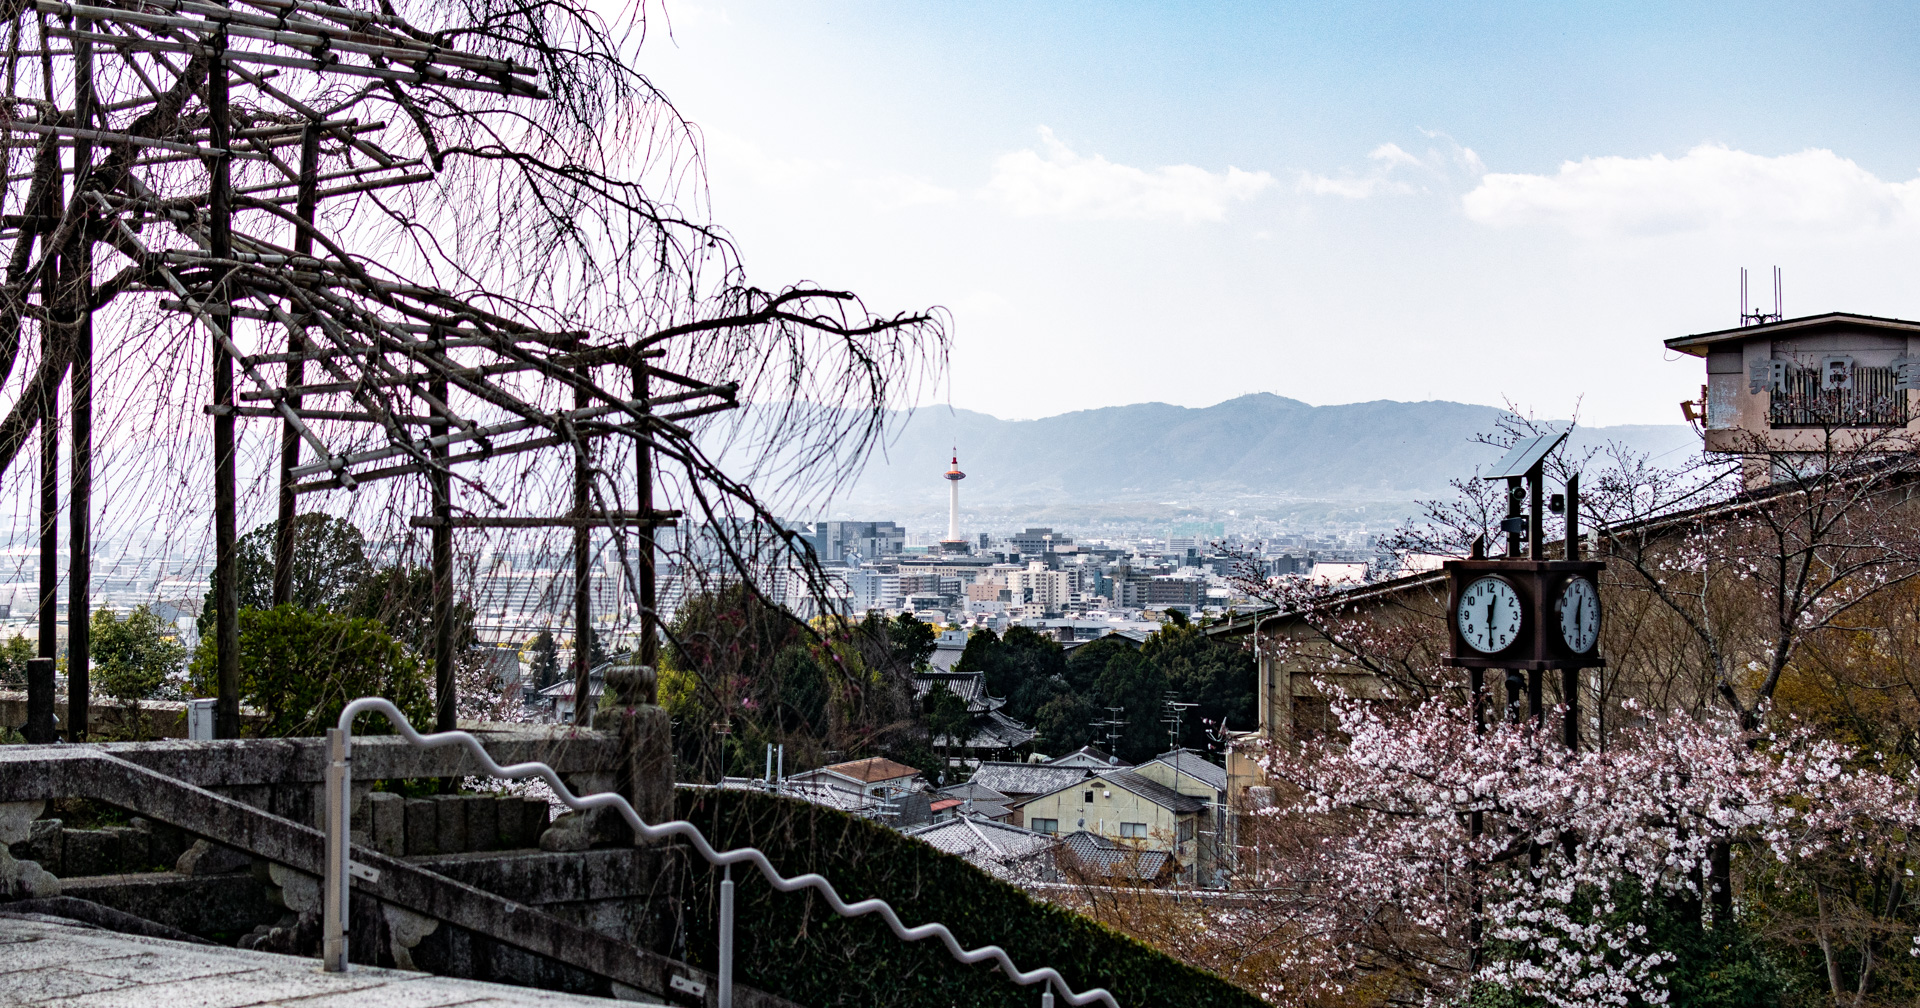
[1133,829]
[1046,825]
[1186,830]
[1089,798]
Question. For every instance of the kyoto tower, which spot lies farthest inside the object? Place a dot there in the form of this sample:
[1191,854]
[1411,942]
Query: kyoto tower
[953,543]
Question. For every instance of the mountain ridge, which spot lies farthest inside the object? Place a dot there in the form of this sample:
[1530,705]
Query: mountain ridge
[1259,445]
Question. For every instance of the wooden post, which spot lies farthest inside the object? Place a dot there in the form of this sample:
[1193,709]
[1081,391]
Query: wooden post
[446,707]
[649,652]
[80,495]
[582,590]
[48,615]
[226,717]
[296,375]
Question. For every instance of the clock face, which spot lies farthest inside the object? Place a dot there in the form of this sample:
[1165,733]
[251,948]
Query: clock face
[1489,615]
[1579,607]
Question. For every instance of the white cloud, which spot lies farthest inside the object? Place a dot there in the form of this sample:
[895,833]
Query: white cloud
[1056,182]
[1711,187]
[1391,154]
[1390,162]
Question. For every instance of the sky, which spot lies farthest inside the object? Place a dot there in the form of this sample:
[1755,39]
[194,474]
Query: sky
[1480,202]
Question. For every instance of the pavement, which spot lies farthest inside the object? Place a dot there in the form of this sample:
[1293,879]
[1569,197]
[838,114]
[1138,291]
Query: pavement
[52,961]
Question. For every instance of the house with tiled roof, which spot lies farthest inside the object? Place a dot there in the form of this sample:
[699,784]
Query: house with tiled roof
[1125,807]
[976,799]
[999,849]
[1090,756]
[1096,857]
[873,778]
[1192,774]
[1024,780]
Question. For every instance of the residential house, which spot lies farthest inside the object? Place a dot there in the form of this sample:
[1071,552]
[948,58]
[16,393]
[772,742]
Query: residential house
[1124,806]
[1100,858]
[1090,756]
[1192,774]
[978,800]
[1020,781]
[998,849]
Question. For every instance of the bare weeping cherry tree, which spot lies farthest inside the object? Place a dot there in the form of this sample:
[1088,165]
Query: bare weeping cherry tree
[460,252]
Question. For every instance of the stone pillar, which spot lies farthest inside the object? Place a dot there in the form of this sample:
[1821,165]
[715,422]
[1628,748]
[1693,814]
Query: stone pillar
[645,774]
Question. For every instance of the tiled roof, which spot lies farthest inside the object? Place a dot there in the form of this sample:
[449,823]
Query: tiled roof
[1154,791]
[973,790]
[1017,780]
[1196,766]
[877,768]
[991,846]
[970,686]
[1104,857]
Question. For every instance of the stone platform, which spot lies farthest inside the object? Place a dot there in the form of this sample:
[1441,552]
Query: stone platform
[46,961]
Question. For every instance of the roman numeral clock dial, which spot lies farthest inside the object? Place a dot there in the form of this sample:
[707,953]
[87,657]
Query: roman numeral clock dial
[1489,615]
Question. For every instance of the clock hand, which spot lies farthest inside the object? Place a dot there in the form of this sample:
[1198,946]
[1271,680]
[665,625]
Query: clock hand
[1490,605]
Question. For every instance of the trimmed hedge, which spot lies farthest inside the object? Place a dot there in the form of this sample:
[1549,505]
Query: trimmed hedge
[792,945]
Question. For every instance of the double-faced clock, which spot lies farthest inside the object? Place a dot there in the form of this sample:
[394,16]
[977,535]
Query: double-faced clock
[1524,614]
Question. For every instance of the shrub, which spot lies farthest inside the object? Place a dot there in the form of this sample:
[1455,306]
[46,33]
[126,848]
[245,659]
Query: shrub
[301,667]
[791,945]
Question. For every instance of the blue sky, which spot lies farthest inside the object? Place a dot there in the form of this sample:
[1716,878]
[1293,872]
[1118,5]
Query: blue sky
[1481,202]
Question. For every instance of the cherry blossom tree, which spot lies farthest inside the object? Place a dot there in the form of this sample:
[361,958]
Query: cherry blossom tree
[1415,855]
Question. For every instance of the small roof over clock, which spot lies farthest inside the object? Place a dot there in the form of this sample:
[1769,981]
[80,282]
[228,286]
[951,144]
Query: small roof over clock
[1524,455]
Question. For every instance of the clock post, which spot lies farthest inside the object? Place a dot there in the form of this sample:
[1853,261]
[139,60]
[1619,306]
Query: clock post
[1523,613]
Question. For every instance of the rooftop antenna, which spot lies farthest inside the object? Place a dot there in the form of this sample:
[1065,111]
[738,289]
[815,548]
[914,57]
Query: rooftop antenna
[1116,719]
[1753,317]
[1174,708]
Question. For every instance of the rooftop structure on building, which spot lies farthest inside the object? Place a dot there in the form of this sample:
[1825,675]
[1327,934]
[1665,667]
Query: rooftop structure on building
[1777,389]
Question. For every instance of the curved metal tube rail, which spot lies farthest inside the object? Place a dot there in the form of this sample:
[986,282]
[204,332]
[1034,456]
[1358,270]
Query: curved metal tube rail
[338,805]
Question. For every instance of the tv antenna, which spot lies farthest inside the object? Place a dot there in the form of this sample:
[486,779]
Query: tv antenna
[1116,719]
[1174,708]
[1757,316]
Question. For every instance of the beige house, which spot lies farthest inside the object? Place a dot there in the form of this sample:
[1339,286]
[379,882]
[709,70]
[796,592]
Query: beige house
[1124,806]
[1781,387]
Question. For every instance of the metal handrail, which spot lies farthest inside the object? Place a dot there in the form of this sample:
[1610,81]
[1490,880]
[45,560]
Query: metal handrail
[339,866]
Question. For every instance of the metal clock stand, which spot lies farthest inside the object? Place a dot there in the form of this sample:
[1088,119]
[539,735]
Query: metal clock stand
[1524,613]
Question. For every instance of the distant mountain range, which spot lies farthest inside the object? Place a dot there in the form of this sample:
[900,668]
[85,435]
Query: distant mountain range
[1152,461]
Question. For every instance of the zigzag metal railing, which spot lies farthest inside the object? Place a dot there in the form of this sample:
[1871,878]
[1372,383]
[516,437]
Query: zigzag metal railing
[339,867]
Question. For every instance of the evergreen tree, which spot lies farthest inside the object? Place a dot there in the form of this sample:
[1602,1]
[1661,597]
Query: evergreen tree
[546,660]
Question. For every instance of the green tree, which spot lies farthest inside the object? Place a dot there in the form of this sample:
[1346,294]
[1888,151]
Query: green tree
[1220,679]
[329,563]
[1065,723]
[546,659]
[947,718]
[400,598]
[911,641]
[1131,682]
[133,657]
[300,667]
[13,659]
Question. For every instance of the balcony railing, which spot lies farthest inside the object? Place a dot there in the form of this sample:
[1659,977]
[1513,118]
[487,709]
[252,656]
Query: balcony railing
[1873,401]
